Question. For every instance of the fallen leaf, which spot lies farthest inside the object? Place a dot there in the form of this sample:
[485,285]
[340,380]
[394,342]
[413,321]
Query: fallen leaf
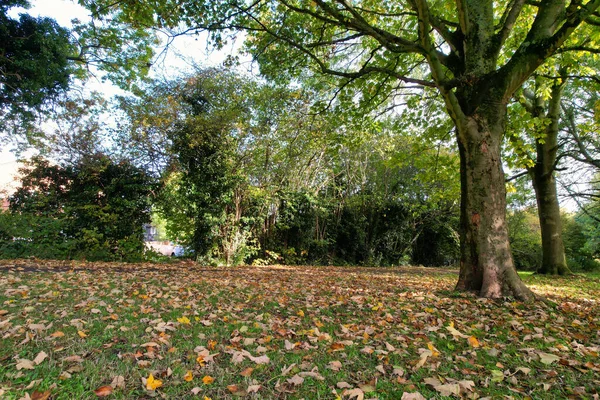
[82,334]
[118,382]
[547,358]
[153,384]
[57,334]
[40,395]
[104,391]
[233,388]
[76,359]
[334,365]
[343,385]
[497,376]
[40,358]
[25,364]
[354,393]
[188,376]
[412,396]
[296,380]
[253,388]
[196,390]
[247,372]
[473,342]
[448,389]
[207,380]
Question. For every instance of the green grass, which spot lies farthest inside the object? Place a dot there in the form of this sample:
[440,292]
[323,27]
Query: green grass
[327,333]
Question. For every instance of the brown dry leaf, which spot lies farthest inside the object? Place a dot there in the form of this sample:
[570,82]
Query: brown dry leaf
[3,312]
[354,393]
[104,391]
[118,382]
[25,364]
[296,380]
[40,395]
[334,365]
[412,396]
[448,389]
[253,388]
[547,358]
[40,358]
[76,359]
[233,388]
[247,372]
[343,385]
[337,346]
[196,390]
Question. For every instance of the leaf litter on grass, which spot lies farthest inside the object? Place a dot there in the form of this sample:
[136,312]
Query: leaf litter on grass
[91,330]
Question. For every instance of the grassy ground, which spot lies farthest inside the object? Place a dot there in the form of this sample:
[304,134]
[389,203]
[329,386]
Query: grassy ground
[77,331]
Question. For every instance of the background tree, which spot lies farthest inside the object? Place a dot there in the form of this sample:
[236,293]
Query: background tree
[34,63]
[94,209]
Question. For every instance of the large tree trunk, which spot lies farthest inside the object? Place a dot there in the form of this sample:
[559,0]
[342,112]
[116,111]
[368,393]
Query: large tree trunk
[486,261]
[542,176]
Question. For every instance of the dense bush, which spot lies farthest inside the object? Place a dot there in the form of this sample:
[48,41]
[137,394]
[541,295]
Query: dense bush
[93,210]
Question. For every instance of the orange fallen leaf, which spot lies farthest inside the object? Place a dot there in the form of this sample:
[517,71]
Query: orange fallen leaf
[153,384]
[104,391]
[188,376]
[57,334]
[247,372]
[233,388]
[207,380]
[473,341]
[40,395]
[200,360]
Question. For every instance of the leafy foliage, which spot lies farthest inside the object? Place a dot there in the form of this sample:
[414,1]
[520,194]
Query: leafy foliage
[95,210]
[34,63]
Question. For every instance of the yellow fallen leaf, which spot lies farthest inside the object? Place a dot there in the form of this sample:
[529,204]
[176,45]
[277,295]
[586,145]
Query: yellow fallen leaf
[207,380]
[473,341]
[188,376]
[153,384]
[200,360]
[434,351]
[300,313]
[184,320]
[81,334]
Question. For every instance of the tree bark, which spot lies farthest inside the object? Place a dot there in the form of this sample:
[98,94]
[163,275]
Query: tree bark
[554,261]
[486,261]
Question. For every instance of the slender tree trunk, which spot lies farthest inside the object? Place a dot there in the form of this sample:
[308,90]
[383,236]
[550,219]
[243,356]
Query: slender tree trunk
[486,261]
[554,260]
